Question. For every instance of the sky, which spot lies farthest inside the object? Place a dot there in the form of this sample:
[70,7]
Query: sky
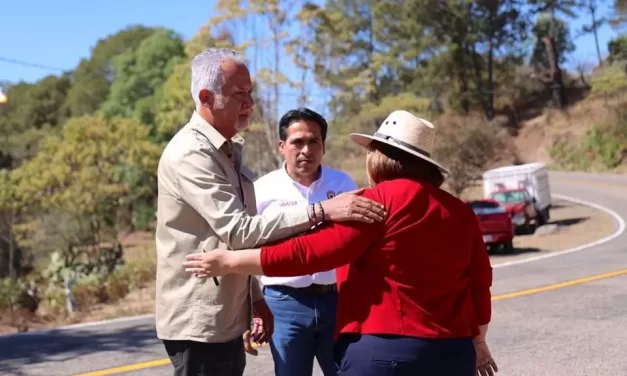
[60,33]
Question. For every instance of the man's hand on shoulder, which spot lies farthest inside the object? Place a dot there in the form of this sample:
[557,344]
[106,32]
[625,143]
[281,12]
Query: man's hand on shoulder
[351,206]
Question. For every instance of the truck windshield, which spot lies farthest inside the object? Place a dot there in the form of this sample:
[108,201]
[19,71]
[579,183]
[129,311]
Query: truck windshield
[509,197]
[486,207]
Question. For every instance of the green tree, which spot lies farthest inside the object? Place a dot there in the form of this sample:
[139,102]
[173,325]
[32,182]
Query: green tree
[550,30]
[33,111]
[85,181]
[349,55]
[140,74]
[498,28]
[366,50]
[595,23]
[10,253]
[91,81]
[471,41]
[617,49]
[547,26]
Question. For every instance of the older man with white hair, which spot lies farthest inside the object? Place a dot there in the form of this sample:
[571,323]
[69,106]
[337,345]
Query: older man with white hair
[206,200]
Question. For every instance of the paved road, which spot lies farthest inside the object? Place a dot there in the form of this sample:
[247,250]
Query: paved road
[577,330]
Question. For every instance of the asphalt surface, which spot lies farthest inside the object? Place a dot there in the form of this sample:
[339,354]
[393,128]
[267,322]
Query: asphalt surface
[572,331]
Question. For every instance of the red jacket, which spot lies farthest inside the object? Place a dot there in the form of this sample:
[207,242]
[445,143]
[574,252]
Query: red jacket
[424,272]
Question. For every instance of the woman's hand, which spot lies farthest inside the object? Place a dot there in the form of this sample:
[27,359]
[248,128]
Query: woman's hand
[208,264]
[486,366]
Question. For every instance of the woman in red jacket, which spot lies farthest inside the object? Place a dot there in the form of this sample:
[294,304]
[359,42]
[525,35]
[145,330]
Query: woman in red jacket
[414,290]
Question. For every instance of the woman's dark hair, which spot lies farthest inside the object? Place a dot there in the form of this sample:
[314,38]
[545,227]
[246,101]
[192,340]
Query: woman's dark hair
[301,114]
[386,162]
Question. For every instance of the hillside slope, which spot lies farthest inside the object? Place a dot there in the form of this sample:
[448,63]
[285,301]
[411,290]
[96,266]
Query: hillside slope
[538,137]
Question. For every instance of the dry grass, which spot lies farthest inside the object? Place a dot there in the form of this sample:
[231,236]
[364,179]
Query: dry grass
[138,245]
[135,303]
[139,248]
[539,134]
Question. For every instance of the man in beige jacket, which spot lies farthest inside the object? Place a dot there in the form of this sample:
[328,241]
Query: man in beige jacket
[206,201]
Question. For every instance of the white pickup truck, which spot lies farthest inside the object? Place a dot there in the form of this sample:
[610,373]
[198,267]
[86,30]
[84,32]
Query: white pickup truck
[523,190]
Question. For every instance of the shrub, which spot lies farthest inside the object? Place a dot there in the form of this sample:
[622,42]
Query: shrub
[143,215]
[88,292]
[54,300]
[142,272]
[609,81]
[118,285]
[467,146]
[603,147]
[95,289]
[10,294]
[617,49]
[89,287]
[142,266]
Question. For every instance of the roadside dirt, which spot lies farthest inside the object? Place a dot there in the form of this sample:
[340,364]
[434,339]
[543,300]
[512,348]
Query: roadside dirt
[137,245]
[135,303]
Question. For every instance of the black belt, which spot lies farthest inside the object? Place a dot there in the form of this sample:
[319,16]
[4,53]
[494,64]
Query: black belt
[314,289]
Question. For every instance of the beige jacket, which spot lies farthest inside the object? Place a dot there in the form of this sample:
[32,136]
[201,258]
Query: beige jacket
[200,209]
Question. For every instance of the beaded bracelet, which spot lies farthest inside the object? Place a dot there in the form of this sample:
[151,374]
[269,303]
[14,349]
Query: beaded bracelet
[321,213]
[312,214]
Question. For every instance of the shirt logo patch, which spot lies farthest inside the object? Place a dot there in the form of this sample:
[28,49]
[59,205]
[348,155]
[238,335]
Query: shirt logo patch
[287,203]
[331,194]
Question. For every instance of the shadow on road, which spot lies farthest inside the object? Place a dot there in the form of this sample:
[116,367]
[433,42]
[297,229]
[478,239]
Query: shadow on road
[560,204]
[550,227]
[17,352]
[499,252]
[520,251]
[569,221]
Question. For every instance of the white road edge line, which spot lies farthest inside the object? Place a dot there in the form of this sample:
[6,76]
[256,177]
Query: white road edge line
[80,326]
[619,231]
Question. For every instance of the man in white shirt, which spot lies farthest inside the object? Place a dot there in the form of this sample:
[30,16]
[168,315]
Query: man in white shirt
[304,307]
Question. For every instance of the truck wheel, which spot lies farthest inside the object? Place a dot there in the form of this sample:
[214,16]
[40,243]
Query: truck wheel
[541,218]
[508,247]
[528,227]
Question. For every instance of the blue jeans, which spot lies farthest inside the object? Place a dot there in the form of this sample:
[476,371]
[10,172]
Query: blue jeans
[304,324]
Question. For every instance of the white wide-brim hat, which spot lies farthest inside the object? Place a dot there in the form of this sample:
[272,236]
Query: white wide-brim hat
[403,130]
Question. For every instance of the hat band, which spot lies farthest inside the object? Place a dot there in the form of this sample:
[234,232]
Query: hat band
[402,143]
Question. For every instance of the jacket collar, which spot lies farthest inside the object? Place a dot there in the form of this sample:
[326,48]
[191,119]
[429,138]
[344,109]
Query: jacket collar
[212,134]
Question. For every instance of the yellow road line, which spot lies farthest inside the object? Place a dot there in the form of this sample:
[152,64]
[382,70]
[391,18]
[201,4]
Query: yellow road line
[516,294]
[135,367]
[560,285]
[128,368]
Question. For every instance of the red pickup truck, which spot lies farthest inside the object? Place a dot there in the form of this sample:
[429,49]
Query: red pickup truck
[495,223]
[521,206]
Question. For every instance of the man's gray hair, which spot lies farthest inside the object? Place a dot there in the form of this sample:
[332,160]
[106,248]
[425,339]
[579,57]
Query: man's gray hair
[207,71]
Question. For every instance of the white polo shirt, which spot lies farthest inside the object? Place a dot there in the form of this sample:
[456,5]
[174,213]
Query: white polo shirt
[277,190]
